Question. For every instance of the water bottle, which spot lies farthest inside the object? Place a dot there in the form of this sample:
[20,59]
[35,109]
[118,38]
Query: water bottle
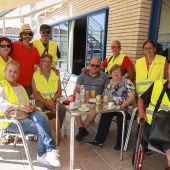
[77,100]
[82,93]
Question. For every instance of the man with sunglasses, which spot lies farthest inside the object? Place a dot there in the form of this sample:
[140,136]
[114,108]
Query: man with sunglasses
[27,56]
[117,58]
[46,46]
[93,78]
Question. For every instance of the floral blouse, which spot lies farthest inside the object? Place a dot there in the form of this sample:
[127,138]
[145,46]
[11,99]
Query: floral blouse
[119,93]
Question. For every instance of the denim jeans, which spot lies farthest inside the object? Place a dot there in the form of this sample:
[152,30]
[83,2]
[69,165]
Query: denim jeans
[37,123]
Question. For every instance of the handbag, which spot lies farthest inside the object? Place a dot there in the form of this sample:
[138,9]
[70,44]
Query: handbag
[16,114]
[160,126]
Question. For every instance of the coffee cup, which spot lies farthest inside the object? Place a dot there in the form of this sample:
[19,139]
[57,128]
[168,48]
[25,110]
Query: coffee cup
[83,106]
[72,105]
[110,104]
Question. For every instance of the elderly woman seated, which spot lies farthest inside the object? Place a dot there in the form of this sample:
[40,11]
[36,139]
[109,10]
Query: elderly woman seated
[121,92]
[14,97]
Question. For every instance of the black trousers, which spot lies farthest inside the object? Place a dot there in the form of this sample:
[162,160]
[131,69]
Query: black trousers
[104,126]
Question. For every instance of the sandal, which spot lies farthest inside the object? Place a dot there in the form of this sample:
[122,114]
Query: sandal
[7,139]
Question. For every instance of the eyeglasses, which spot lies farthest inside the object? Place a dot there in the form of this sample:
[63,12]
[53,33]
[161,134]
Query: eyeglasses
[46,62]
[95,65]
[5,45]
[27,33]
[148,48]
[46,32]
[115,47]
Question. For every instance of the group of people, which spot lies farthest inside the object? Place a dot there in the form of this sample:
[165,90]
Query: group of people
[151,72]
[28,68]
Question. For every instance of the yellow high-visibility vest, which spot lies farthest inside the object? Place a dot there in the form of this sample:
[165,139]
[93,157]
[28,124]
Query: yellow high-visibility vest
[11,96]
[165,104]
[52,48]
[2,68]
[47,89]
[145,78]
[113,61]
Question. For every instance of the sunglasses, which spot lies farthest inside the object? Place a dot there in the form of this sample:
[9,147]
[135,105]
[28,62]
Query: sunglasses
[95,65]
[12,62]
[4,46]
[46,32]
[115,47]
[27,33]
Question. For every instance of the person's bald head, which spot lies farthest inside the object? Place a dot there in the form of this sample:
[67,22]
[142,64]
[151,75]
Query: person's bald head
[94,66]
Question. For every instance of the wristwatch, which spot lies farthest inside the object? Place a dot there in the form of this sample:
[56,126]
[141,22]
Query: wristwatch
[53,99]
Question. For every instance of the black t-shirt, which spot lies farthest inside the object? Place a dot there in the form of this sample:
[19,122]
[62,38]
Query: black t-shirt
[146,96]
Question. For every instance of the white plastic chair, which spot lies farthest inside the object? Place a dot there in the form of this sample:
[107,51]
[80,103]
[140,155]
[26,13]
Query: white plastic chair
[2,121]
[64,82]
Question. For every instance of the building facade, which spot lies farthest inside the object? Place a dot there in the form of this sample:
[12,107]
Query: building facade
[85,28]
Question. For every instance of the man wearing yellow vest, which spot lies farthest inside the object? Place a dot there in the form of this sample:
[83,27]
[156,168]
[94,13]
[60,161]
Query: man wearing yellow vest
[46,87]
[46,46]
[117,58]
[14,97]
[149,99]
[149,68]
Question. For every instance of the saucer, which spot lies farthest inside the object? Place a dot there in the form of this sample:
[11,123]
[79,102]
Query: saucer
[109,107]
[84,110]
[72,108]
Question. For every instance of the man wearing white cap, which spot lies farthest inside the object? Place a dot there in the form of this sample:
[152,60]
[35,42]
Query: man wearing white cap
[27,56]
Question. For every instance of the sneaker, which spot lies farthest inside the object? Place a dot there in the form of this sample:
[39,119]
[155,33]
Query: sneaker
[42,160]
[95,144]
[52,158]
[81,134]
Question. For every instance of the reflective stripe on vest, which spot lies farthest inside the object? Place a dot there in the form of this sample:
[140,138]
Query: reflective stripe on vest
[144,83]
[47,94]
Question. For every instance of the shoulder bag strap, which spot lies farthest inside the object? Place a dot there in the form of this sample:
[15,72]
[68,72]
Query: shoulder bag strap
[109,59]
[161,96]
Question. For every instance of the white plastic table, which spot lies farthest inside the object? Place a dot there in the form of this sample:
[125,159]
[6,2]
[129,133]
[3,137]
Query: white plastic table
[93,109]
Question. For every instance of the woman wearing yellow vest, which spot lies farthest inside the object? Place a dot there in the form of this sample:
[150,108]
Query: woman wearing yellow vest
[149,68]
[150,98]
[14,97]
[117,58]
[46,46]
[46,87]
[5,50]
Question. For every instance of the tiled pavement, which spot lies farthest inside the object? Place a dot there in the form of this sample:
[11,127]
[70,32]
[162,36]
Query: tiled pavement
[86,157]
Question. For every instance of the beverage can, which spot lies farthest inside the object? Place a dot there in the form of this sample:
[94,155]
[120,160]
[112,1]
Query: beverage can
[98,100]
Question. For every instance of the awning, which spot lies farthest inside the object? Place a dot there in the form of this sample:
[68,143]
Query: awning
[11,4]
[58,2]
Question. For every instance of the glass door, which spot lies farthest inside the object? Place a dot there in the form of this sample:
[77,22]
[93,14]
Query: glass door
[95,36]
[60,35]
